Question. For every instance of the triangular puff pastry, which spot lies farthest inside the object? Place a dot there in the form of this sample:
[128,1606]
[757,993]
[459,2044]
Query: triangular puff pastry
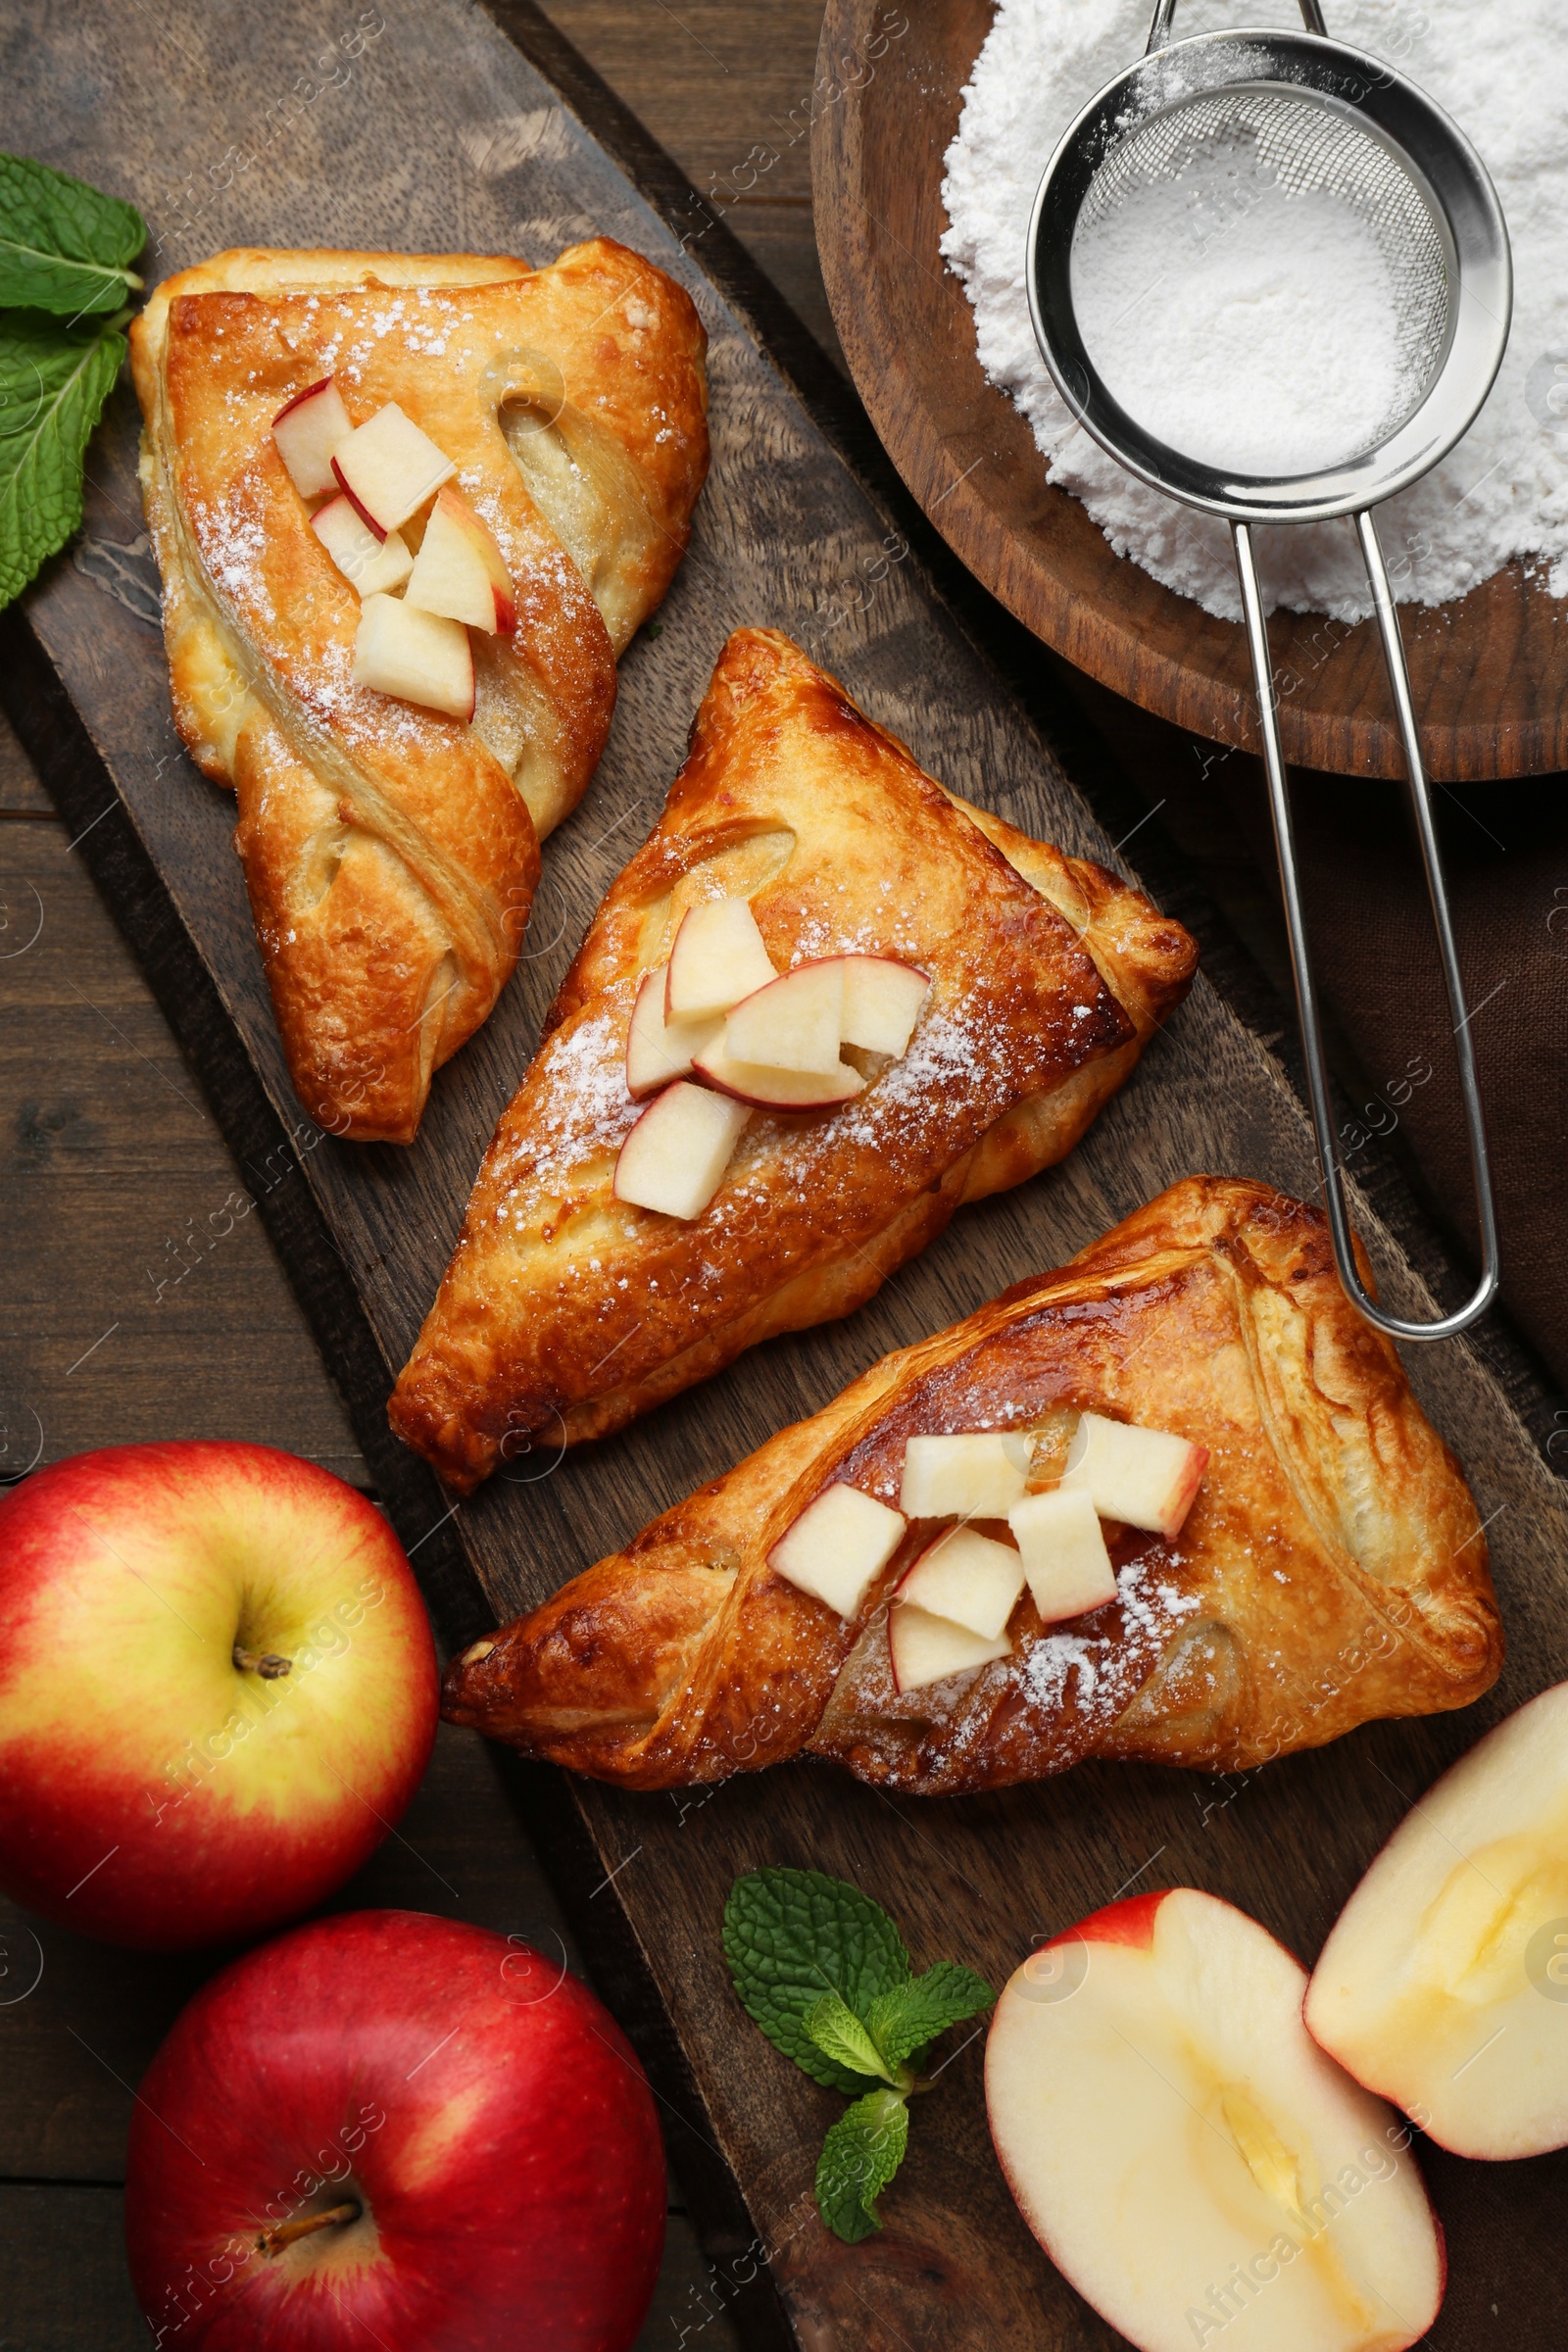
[566,1312]
[1330,1571]
[391,852]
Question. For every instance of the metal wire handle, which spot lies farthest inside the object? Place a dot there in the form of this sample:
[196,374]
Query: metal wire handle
[1165,9]
[1317,1082]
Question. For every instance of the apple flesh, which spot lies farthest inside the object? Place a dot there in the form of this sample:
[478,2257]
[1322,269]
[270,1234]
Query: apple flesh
[719,957]
[882,1002]
[674,1159]
[924,1650]
[389,467]
[425,660]
[308,433]
[374,565]
[839,1546]
[460,573]
[1189,2157]
[1145,1477]
[791,1023]
[659,1050]
[1064,1548]
[968,1579]
[767,1089]
[218,1691]
[970,1476]
[391,2129]
[1443,1983]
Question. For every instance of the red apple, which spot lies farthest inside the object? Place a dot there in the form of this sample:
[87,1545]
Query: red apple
[218,1691]
[391,2129]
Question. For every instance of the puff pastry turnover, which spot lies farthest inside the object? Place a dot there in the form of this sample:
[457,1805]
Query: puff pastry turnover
[566,1311]
[1331,1570]
[391,852]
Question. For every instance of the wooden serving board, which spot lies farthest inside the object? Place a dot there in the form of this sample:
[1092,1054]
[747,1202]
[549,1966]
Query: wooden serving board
[438,132]
[1488,673]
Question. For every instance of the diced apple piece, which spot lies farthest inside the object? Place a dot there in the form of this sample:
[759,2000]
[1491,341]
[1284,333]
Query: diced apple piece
[309,431]
[399,651]
[882,1002]
[1145,1477]
[676,1157]
[660,1049]
[389,467]
[968,1579]
[717,958]
[1188,2157]
[767,1089]
[926,1649]
[374,565]
[791,1023]
[1443,1983]
[459,571]
[971,1476]
[1064,1556]
[839,1546]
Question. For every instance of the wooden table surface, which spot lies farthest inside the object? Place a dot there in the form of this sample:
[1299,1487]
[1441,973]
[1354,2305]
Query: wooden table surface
[110,1162]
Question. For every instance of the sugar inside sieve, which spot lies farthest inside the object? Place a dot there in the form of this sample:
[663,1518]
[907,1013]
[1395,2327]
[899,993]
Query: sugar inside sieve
[1272,151]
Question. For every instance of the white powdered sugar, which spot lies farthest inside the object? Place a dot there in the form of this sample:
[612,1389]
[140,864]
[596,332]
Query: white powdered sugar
[1222,299]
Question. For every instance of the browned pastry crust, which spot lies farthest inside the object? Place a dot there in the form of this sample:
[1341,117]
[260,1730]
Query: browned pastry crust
[391,852]
[1332,1570]
[566,1312]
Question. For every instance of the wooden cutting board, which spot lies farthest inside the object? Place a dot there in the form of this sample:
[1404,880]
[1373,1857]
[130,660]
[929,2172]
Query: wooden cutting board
[432,131]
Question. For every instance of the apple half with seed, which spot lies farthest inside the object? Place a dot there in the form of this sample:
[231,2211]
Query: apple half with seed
[308,431]
[1146,1477]
[460,573]
[674,1159]
[400,651]
[718,958]
[1444,1982]
[374,565]
[388,467]
[839,1546]
[659,1048]
[1189,2157]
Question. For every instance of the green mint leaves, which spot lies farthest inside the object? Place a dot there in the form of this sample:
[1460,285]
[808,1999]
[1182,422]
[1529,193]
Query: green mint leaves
[64,255]
[825,1974]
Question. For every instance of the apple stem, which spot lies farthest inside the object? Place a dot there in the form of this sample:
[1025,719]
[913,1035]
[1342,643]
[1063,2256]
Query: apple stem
[266,1663]
[272,2241]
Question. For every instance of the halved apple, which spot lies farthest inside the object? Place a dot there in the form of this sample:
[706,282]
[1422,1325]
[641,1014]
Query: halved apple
[791,1022]
[925,1650]
[1144,1476]
[882,1000]
[660,1049]
[1063,1550]
[1189,2157]
[968,1579]
[718,958]
[399,651]
[309,429]
[839,1546]
[389,467]
[676,1157]
[459,571]
[974,1475]
[374,565]
[1443,1983]
[768,1089]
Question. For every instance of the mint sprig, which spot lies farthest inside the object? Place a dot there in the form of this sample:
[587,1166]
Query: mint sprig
[64,247]
[827,1976]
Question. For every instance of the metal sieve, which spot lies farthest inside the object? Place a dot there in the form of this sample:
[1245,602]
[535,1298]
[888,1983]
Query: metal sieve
[1310,115]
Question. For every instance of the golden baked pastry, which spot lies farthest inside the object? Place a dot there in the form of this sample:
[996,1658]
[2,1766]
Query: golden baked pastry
[1331,1570]
[391,852]
[566,1312]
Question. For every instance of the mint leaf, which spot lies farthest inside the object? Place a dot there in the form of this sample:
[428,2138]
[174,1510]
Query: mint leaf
[64,247]
[840,2036]
[860,2156]
[53,381]
[791,1936]
[905,2018]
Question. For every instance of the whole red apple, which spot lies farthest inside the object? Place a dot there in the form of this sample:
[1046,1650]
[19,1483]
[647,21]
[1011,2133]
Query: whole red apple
[391,2129]
[218,1690]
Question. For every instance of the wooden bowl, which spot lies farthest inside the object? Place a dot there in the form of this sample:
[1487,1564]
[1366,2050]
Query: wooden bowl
[1488,673]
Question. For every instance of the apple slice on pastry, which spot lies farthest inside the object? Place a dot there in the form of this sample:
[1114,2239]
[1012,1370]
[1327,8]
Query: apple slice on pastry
[1329,1570]
[992,994]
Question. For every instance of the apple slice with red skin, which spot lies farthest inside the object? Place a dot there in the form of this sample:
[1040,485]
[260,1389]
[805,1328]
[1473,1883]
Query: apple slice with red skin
[389,467]
[391,2129]
[924,1648]
[1146,1477]
[791,1023]
[674,1159]
[718,958]
[374,567]
[308,431]
[839,1546]
[1443,1983]
[882,1002]
[1185,2152]
[969,1578]
[399,649]
[1064,1556]
[460,573]
[660,1049]
[767,1089]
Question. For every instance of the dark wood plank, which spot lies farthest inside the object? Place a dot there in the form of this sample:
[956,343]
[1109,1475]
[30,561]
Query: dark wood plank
[955,2264]
[1488,673]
